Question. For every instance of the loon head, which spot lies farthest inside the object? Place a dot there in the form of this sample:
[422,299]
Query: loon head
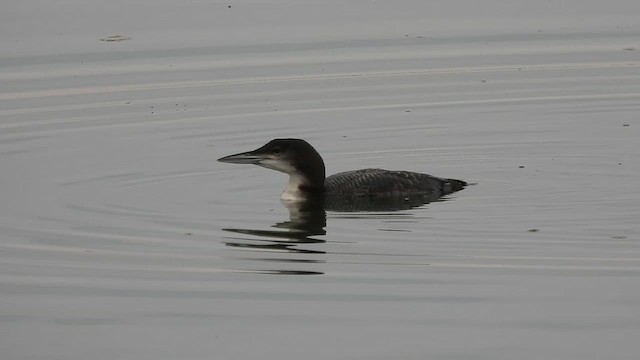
[294,157]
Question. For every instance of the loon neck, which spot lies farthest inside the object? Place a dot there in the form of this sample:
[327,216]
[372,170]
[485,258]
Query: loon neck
[301,187]
[306,171]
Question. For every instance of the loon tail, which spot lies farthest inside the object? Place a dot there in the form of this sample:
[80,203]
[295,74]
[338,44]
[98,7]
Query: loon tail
[452,185]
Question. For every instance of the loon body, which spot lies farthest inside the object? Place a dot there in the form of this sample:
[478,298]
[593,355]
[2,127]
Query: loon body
[306,171]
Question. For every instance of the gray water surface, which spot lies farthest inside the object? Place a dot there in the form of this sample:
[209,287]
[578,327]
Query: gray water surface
[121,237]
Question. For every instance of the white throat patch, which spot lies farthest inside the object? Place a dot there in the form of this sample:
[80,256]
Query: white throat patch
[292,192]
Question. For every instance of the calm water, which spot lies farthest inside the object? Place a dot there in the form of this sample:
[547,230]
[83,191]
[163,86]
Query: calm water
[121,237]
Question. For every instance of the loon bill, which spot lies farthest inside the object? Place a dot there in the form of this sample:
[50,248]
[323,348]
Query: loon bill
[306,171]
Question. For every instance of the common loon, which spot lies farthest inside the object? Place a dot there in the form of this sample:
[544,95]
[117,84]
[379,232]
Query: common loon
[306,171]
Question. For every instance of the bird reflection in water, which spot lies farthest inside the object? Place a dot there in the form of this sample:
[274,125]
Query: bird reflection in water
[308,219]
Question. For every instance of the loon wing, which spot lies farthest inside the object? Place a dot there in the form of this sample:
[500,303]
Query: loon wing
[379,182]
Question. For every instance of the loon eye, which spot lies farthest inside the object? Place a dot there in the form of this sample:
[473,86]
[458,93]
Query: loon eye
[275,150]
